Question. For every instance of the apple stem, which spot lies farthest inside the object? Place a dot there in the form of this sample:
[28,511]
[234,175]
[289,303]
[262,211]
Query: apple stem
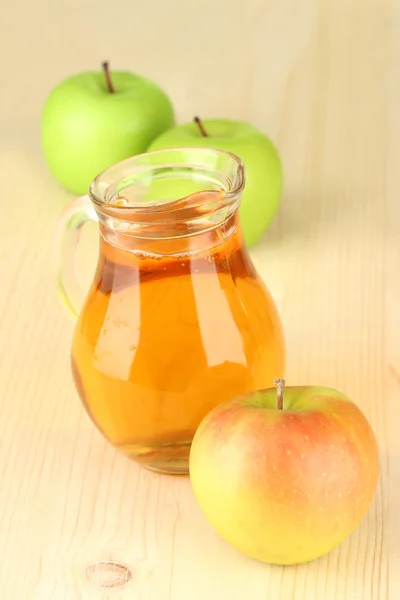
[200,126]
[280,385]
[107,73]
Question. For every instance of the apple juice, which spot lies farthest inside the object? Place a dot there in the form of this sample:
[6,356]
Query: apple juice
[163,339]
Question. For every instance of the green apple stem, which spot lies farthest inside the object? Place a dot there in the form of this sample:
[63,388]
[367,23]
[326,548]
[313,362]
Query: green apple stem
[280,386]
[107,73]
[200,126]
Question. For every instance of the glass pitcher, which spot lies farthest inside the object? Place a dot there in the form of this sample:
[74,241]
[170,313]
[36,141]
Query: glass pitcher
[177,319]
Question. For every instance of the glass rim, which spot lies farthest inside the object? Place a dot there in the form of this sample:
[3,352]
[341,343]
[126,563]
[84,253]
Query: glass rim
[99,197]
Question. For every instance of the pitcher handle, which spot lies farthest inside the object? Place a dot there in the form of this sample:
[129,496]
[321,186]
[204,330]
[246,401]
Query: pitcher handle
[68,232]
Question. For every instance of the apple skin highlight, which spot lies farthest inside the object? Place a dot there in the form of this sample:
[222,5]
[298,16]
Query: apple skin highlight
[285,486]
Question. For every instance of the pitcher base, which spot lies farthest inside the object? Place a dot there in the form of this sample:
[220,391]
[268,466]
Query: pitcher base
[167,458]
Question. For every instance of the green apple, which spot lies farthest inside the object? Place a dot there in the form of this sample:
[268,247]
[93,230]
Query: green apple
[285,483]
[95,119]
[263,188]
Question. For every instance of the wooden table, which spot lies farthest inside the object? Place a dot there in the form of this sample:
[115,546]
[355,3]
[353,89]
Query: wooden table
[323,78]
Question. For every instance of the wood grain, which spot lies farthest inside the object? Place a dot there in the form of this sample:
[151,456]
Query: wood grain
[322,77]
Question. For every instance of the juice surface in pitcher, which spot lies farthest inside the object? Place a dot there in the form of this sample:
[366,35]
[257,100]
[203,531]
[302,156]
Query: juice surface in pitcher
[164,339]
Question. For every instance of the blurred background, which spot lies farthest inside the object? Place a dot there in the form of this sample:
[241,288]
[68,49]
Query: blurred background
[284,65]
[219,58]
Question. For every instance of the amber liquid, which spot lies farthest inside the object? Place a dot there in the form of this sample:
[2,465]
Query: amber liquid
[164,339]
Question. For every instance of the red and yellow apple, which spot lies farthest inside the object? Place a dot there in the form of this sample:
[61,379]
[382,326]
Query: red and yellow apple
[285,484]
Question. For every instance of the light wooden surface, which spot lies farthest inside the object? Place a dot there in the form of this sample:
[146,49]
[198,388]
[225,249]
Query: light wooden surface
[323,78]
